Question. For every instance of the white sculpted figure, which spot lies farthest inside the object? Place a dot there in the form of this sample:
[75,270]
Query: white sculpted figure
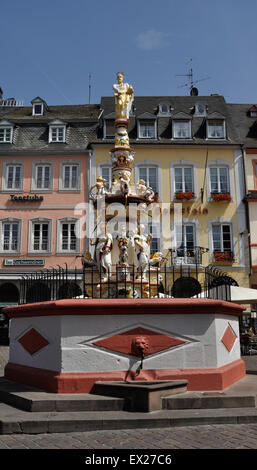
[124,183]
[149,193]
[143,190]
[142,246]
[103,247]
[124,95]
[141,187]
[98,189]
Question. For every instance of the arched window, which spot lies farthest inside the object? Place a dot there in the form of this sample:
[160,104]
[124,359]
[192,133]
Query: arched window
[9,292]
[38,292]
[69,290]
[186,287]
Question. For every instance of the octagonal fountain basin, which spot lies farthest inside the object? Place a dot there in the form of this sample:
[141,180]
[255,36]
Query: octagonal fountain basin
[143,396]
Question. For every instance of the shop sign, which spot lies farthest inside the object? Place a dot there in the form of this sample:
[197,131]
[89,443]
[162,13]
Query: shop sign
[24,262]
[192,211]
[27,198]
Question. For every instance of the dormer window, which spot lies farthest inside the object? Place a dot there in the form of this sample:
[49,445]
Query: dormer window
[215,126]
[164,109]
[181,129]
[57,132]
[181,126]
[147,126]
[253,111]
[147,130]
[38,109]
[38,106]
[109,128]
[216,129]
[6,132]
[200,109]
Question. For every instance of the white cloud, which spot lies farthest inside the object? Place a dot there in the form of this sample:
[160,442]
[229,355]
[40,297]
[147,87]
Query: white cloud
[152,39]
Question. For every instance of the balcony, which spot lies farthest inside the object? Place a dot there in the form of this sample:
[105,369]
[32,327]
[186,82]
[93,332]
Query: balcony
[180,256]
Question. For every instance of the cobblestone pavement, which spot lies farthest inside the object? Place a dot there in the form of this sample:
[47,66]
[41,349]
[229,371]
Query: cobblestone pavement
[4,356]
[229,436]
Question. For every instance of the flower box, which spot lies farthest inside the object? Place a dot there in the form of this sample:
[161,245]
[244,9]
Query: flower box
[217,197]
[226,256]
[185,196]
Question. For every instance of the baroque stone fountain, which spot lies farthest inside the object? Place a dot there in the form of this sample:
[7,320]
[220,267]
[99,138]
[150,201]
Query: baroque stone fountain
[139,343]
[121,211]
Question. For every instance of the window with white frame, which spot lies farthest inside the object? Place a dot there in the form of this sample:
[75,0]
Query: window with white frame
[219,179]
[222,238]
[164,109]
[40,237]
[150,175]
[185,239]
[200,109]
[42,177]
[216,129]
[109,128]
[106,173]
[67,236]
[57,133]
[70,176]
[10,236]
[147,130]
[6,133]
[12,176]
[155,245]
[38,108]
[183,179]
[181,129]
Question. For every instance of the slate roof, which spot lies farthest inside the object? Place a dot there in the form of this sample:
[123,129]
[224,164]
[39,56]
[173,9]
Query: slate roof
[31,133]
[84,127]
[180,106]
[244,124]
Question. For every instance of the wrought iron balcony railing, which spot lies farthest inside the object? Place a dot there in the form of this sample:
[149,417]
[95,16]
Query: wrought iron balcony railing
[88,282]
[187,255]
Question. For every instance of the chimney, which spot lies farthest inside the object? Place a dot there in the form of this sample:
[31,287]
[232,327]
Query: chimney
[1,93]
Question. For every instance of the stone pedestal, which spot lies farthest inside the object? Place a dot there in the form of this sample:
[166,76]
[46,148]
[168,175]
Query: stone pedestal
[66,346]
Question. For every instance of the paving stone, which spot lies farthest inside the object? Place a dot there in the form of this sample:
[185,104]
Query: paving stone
[168,429]
[176,438]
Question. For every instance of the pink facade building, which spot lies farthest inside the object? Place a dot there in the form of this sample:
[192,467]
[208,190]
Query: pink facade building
[45,159]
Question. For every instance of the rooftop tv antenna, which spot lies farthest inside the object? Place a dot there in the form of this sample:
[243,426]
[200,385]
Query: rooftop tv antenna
[89,88]
[191,84]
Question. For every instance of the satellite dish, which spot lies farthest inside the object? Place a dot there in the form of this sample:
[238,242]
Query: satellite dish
[194,91]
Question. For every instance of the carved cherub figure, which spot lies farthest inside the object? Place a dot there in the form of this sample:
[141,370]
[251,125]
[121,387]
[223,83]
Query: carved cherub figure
[98,189]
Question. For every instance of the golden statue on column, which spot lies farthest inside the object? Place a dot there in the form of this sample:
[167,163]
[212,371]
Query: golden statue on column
[124,96]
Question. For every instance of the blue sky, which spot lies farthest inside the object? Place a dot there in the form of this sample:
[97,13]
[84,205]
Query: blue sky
[49,48]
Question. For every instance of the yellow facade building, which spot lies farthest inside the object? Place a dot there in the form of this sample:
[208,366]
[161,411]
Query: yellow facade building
[188,151]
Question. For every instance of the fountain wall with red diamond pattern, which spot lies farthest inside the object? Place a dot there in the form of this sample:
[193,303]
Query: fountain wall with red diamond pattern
[68,345]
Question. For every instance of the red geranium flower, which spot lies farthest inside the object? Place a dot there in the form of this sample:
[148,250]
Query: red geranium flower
[187,195]
[221,197]
[223,256]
